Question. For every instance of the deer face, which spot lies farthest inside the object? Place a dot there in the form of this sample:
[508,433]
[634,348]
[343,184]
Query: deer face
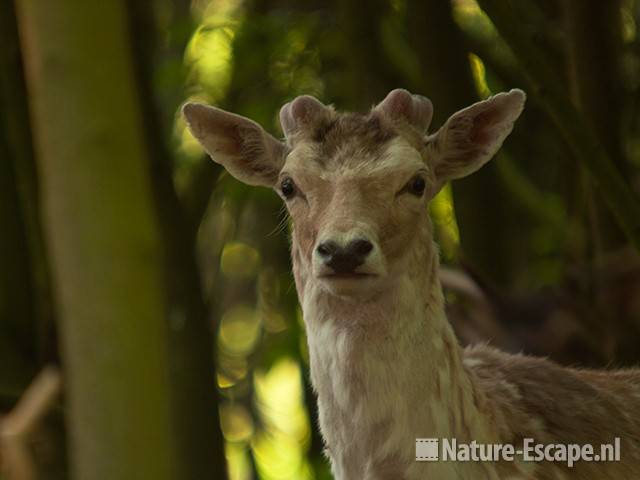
[356,186]
[356,198]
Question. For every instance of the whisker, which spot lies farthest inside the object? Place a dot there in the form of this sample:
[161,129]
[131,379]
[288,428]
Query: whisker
[282,223]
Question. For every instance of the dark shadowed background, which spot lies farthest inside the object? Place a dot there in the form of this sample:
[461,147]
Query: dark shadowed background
[149,325]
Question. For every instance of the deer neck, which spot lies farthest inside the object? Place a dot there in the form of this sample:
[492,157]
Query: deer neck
[389,365]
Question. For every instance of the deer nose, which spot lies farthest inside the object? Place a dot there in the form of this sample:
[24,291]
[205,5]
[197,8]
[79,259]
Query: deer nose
[344,259]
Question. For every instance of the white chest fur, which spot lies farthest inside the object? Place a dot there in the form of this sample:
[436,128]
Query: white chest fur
[387,371]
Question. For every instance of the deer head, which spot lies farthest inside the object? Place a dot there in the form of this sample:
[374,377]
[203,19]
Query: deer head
[357,186]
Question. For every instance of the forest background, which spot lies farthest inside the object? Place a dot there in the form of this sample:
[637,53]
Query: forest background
[149,326]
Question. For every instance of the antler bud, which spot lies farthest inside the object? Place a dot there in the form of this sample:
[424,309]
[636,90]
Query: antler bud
[401,105]
[304,112]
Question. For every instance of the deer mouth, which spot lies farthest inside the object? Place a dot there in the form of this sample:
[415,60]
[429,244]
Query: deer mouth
[347,275]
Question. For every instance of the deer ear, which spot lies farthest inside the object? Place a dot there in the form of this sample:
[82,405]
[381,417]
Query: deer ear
[472,136]
[240,145]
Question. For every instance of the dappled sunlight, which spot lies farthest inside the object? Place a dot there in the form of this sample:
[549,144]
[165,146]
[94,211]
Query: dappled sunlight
[240,330]
[238,461]
[208,54]
[479,76]
[274,322]
[208,60]
[470,16]
[279,399]
[237,424]
[279,457]
[224,381]
[629,26]
[256,349]
[304,346]
[444,219]
[232,374]
[239,260]
[476,25]
[296,65]
[269,291]
[280,450]
[468,8]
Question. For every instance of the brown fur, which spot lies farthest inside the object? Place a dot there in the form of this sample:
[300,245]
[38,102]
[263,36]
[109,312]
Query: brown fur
[534,397]
[370,131]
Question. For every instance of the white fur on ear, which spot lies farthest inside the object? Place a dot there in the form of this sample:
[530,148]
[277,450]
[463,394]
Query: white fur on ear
[242,146]
[303,113]
[416,110]
[472,136]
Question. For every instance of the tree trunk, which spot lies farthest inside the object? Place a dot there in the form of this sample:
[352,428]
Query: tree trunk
[25,304]
[593,50]
[367,76]
[102,238]
[193,379]
[480,202]
[16,307]
[578,133]
[594,46]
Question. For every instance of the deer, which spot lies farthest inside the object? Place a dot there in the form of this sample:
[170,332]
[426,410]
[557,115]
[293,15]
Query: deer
[385,363]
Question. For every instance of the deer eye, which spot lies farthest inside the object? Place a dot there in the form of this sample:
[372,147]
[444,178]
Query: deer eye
[288,188]
[416,186]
